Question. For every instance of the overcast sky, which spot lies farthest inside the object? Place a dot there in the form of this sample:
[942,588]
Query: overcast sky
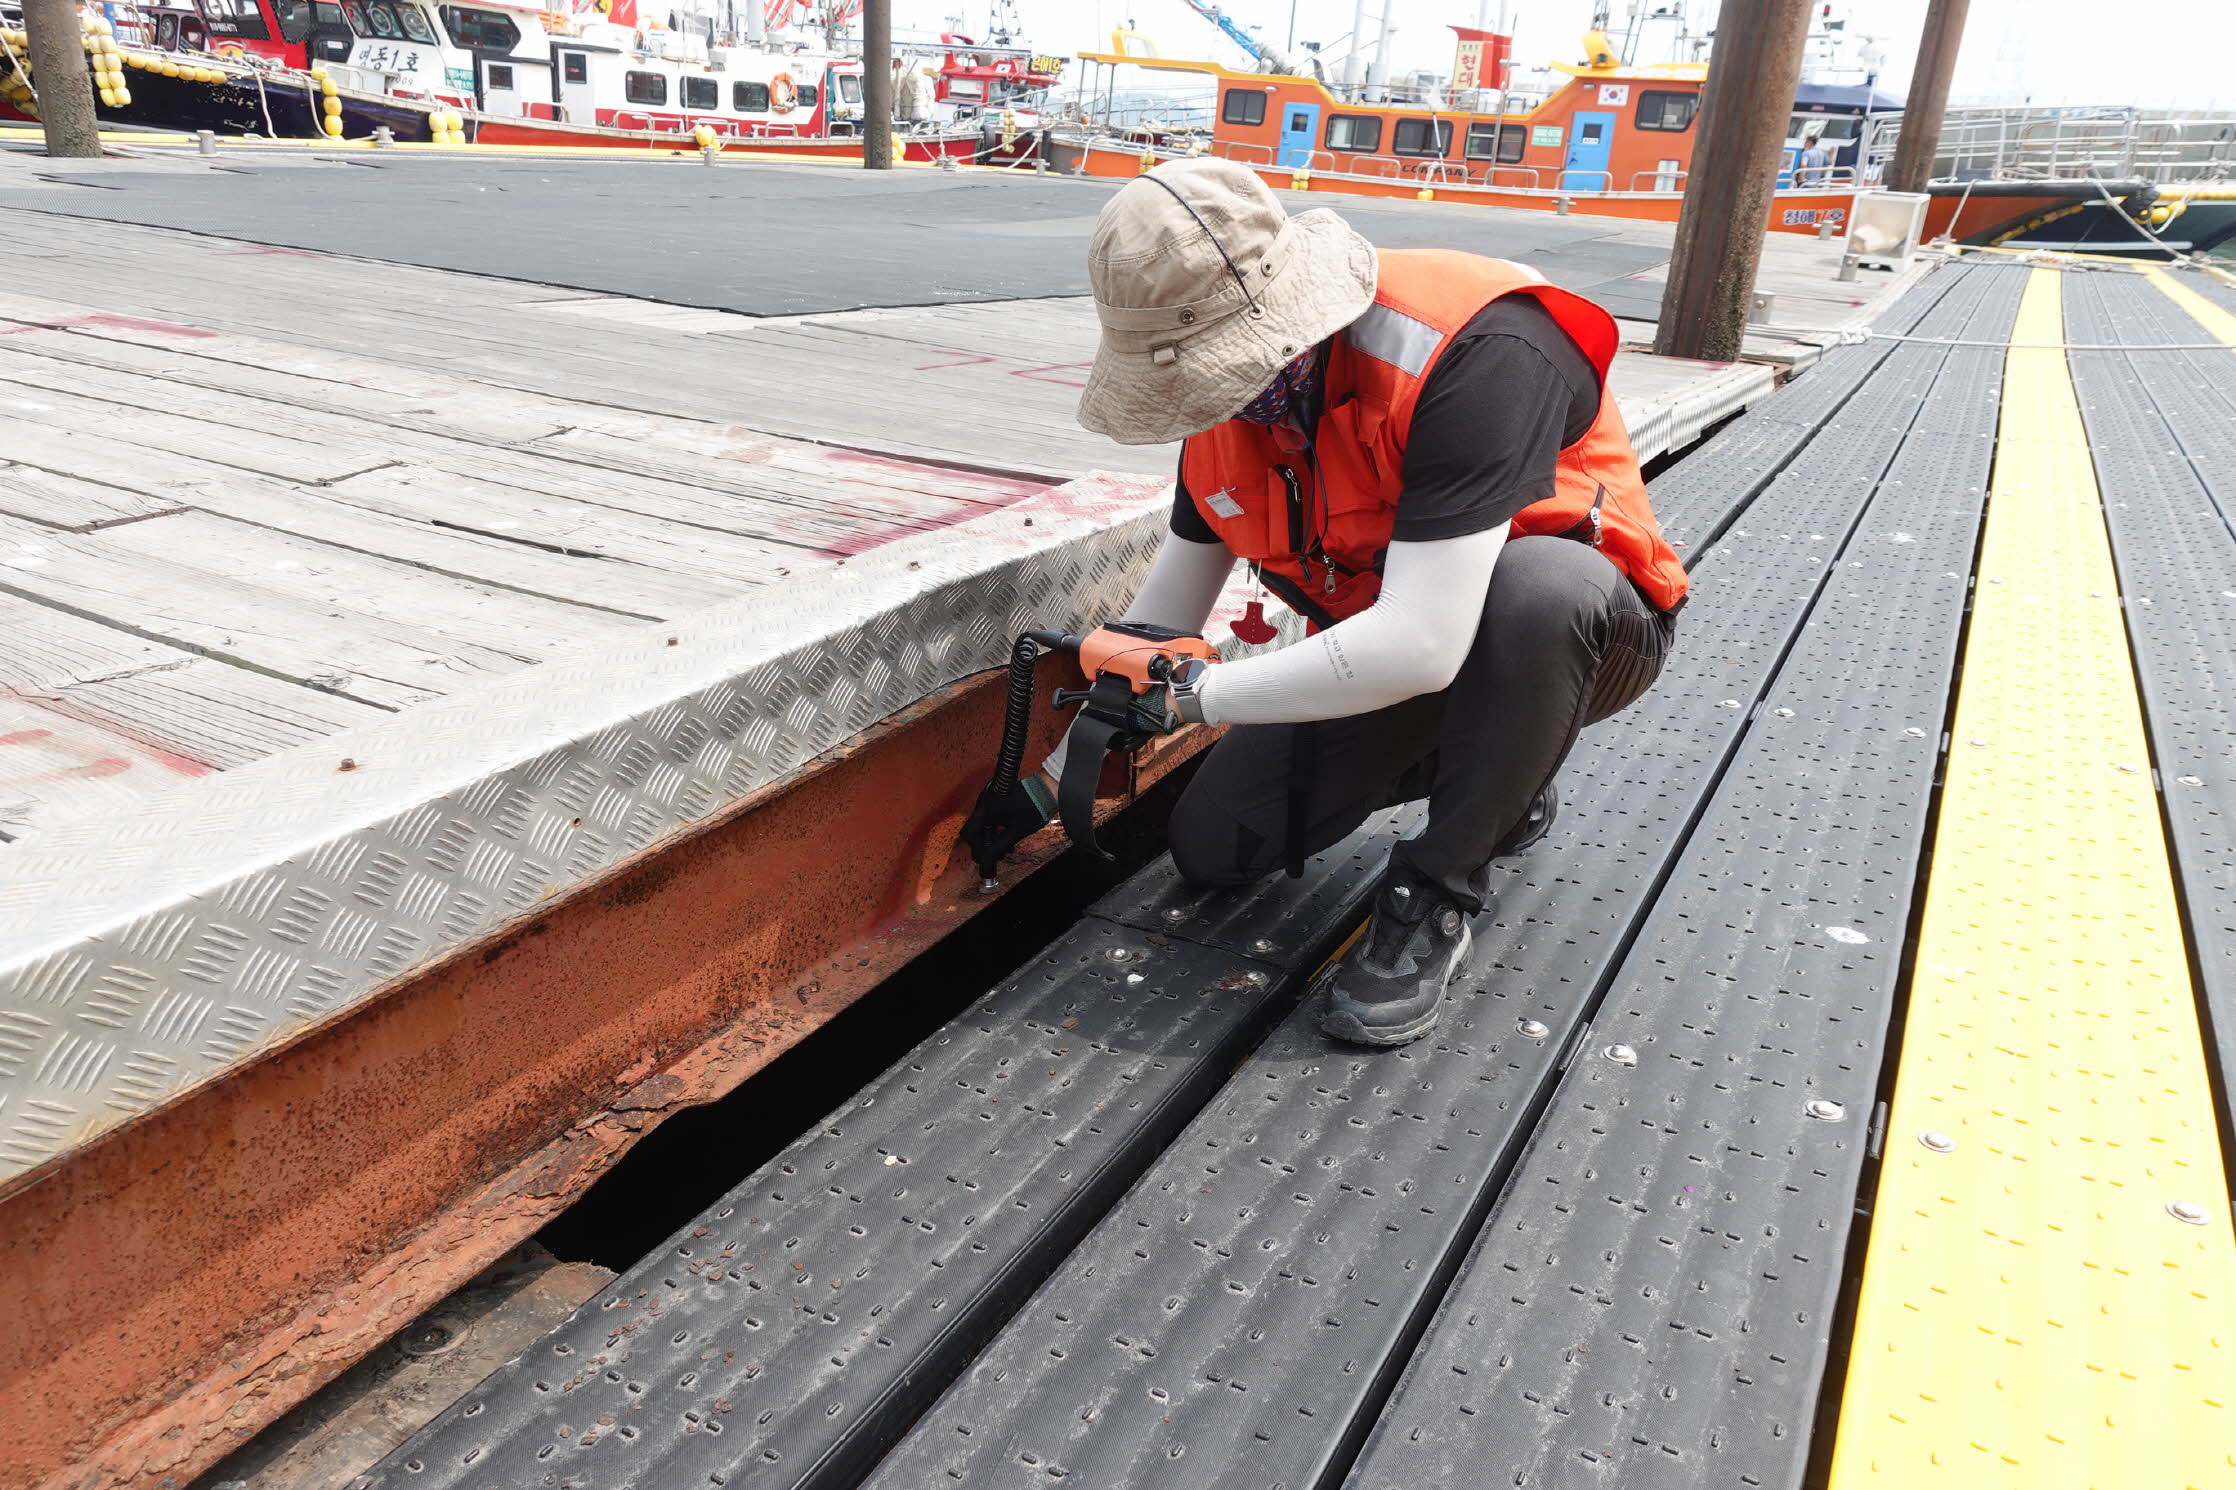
[2154,52]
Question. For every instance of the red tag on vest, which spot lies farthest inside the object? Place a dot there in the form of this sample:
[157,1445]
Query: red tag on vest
[1254,627]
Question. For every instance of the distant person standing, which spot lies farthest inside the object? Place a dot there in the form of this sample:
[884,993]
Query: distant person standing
[1815,164]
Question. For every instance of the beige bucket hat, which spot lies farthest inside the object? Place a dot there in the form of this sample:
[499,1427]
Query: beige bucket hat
[1205,287]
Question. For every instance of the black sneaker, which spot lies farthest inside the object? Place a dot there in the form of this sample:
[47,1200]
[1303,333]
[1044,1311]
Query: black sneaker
[1387,990]
[1535,823]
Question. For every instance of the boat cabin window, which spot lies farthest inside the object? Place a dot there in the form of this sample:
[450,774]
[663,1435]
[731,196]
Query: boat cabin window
[1414,137]
[574,67]
[1671,112]
[1244,106]
[1358,132]
[497,76]
[966,88]
[701,93]
[294,20]
[481,30]
[850,87]
[239,18]
[809,93]
[1832,129]
[645,87]
[749,98]
[1508,146]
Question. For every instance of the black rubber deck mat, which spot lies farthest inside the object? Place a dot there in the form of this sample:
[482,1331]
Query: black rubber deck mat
[1696,498]
[791,1332]
[2177,570]
[1238,1317]
[1651,1300]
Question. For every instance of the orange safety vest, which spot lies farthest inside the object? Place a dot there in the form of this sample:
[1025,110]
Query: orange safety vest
[1316,520]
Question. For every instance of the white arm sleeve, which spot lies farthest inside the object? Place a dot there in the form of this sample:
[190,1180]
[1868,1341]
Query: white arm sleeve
[1411,641]
[1183,585]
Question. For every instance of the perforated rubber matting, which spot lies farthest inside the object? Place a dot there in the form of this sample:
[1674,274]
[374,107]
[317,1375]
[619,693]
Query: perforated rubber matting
[1133,1221]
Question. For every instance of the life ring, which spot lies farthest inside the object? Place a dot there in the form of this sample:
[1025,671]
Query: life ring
[784,94]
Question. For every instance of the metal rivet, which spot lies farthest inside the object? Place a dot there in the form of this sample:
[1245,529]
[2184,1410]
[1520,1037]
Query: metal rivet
[1977,744]
[1262,945]
[1915,733]
[1177,913]
[1120,954]
[2124,766]
[1783,713]
[1824,1111]
[1622,1055]
[1729,703]
[1187,318]
[1533,1029]
[2186,1210]
[1257,978]
[1940,1143]
[2191,780]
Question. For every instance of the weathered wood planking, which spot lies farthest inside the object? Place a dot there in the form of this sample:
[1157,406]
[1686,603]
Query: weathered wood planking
[70,501]
[156,694]
[55,765]
[379,632]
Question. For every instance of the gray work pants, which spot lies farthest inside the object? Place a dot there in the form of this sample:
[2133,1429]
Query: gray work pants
[1565,641]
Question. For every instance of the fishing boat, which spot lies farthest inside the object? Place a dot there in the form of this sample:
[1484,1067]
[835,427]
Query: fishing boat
[502,72]
[1615,138]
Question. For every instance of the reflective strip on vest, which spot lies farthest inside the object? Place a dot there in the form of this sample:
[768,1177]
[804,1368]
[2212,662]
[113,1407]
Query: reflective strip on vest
[1394,337]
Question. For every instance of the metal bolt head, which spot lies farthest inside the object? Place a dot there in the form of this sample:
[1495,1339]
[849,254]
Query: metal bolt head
[1729,703]
[1262,946]
[1622,1055]
[1255,977]
[1176,913]
[2186,1210]
[2191,780]
[1533,1029]
[1783,713]
[1824,1111]
[1915,733]
[1939,1142]
[1120,954]
[427,1339]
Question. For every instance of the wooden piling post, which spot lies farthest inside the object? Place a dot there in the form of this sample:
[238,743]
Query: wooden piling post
[63,81]
[877,85]
[1914,147]
[1742,136]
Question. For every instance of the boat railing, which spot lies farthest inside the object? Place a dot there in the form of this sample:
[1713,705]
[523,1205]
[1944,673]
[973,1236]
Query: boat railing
[1569,185]
[2112,144]
[1440,173]
[1536,178]
[1261,155]
[1663,180]
[1319,161]
[1360,162]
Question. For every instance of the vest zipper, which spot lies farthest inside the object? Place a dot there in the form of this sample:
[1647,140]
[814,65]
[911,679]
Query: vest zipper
[1294,508]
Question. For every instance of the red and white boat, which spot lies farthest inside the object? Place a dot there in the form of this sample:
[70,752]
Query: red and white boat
[498,72]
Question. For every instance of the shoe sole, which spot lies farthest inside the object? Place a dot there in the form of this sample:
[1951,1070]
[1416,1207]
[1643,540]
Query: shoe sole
[1341,1020]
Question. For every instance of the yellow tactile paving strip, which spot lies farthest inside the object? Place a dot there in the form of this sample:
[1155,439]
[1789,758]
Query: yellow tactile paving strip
[2218,323]
[2035,1313]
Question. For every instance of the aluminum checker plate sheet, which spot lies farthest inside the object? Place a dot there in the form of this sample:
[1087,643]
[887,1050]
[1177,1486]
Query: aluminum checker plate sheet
[1651,1299]
[144,956]
[1193,1340]
[792,1332]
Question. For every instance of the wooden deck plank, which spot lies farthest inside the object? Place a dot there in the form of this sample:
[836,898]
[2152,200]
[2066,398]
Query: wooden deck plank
[341,622]
[157,695]
[70,501]
[55,766]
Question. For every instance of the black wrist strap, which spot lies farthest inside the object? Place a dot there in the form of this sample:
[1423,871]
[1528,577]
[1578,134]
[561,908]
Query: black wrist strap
[1090,740]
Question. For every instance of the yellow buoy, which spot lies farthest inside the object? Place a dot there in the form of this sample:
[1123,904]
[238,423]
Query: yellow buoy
[1425,194]
[1300,179]
[333,108]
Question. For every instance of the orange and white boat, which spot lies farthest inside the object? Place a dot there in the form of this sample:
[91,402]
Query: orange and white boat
[1615,140]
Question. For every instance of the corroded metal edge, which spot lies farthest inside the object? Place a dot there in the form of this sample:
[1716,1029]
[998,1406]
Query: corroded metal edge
[143,957]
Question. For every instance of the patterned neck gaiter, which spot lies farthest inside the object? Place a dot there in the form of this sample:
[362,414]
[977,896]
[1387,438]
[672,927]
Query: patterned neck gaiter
[1291,388]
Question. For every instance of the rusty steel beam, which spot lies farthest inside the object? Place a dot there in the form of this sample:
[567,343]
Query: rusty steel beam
[176,1286]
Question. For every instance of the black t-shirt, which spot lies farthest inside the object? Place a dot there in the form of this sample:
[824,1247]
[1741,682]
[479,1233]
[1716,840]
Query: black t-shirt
[1509,393]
